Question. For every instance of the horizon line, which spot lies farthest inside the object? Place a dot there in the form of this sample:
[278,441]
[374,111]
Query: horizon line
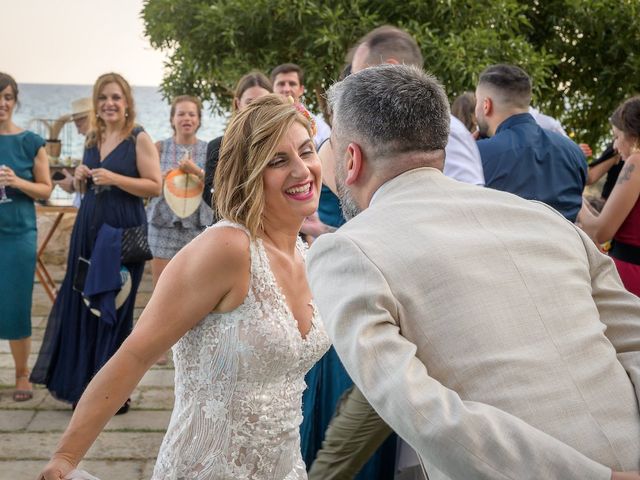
[78,84]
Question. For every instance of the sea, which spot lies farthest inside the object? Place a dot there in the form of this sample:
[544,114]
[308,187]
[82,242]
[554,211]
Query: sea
[49,102]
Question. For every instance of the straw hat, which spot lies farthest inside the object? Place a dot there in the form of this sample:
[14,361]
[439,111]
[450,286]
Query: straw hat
[81,107]
[182,192]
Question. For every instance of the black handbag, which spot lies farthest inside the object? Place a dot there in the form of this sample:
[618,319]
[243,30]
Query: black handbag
[135,245]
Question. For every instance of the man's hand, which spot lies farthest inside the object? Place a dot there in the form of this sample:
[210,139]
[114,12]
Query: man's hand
[586,149]
[314,227]
[187,166]
[67,182]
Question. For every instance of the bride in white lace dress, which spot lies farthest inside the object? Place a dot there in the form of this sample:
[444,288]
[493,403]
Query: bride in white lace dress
[237,302]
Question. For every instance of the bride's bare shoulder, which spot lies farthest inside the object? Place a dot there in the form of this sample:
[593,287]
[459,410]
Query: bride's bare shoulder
[217,250]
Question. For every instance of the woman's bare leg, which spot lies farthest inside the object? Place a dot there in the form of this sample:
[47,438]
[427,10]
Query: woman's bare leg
[20,350]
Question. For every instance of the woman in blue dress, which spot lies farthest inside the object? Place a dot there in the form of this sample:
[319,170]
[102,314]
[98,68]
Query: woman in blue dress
[120,167]
[24,174]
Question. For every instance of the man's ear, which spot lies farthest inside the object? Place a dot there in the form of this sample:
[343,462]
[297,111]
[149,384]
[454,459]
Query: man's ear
[487,106]
[354,163]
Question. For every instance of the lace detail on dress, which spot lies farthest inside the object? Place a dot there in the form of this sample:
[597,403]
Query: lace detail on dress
[239,380]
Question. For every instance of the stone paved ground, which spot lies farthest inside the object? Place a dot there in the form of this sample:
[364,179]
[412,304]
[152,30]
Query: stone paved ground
[30,430]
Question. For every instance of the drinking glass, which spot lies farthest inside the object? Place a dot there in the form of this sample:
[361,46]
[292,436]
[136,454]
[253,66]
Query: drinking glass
[3,193]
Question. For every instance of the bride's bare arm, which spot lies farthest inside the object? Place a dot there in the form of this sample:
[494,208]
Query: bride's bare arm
[211,273]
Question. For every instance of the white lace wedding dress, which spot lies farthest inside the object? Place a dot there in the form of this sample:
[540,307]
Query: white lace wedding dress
[239,380]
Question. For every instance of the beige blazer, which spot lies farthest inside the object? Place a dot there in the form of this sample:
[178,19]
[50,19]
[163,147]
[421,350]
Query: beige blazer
[486,330]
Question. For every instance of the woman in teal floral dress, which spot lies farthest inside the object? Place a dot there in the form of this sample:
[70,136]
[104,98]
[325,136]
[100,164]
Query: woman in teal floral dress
[24,174]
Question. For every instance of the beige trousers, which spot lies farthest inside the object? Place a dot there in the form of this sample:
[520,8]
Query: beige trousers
[354,434]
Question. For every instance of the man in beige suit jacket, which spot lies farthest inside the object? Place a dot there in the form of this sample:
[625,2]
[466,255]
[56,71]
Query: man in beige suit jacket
[486,330]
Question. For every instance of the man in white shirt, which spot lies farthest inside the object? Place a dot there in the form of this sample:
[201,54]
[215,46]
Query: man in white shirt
[462,156]
[391,45]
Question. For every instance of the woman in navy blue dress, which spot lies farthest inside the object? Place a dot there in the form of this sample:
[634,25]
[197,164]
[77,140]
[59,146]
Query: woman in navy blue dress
[120,167]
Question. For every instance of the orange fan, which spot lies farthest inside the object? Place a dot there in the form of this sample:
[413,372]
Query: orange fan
[183,192]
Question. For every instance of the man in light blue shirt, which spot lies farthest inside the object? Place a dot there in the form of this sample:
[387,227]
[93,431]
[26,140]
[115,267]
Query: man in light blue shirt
[520,157]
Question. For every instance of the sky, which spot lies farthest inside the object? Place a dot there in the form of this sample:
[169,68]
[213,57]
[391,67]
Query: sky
[75,41]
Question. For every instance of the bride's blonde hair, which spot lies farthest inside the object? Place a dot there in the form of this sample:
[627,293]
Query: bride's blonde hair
[249,143]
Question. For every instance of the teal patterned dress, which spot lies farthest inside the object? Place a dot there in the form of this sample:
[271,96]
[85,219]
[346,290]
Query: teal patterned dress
[18,238]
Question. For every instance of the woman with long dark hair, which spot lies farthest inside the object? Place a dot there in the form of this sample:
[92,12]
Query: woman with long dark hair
[251,86]
[24,176]
[620,217]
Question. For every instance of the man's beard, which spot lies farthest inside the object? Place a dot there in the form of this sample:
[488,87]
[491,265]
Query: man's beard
[483,128]
[348,204]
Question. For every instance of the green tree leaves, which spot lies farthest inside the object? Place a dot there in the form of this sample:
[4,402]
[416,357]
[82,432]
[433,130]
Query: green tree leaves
[584,56]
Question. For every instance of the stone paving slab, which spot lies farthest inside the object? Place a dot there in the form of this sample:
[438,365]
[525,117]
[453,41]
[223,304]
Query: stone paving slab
[108,445]
[135,420]
[155,399]
[29,431]
[14,420]
[157,378]
[41,308]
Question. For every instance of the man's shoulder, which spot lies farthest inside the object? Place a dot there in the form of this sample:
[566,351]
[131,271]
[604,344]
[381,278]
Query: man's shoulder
[497,144]
[564,143]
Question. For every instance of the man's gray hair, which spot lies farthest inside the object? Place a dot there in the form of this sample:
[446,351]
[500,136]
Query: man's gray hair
[391,109]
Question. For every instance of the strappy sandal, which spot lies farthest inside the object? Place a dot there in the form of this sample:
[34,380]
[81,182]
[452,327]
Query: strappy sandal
[22,395]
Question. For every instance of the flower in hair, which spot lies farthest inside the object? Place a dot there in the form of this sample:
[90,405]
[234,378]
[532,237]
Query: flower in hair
[312,123]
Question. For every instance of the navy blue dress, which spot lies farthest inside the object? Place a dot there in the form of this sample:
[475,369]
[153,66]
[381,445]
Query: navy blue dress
[328,380]
[76,342]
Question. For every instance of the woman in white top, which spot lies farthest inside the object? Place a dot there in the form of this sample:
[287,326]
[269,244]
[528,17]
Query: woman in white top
[237,302]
